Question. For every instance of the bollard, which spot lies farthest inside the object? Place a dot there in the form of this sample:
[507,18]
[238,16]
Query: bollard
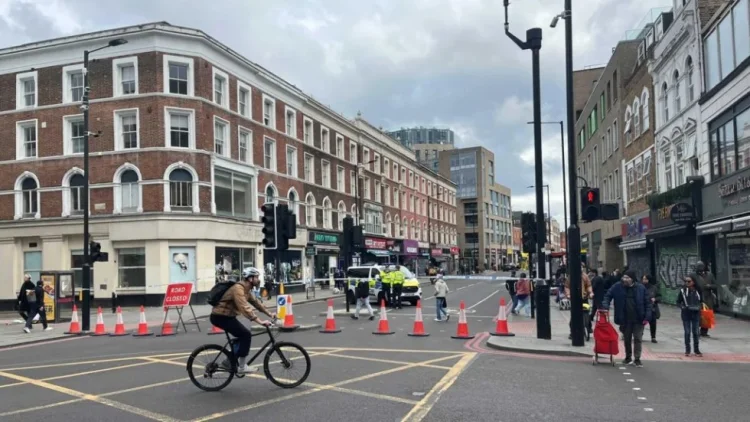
[114,302]
[543,327]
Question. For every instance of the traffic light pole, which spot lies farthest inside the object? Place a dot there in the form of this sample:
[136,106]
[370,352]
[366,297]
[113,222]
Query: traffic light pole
[574,232]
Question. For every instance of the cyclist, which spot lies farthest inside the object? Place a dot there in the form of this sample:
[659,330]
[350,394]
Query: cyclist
[237,300]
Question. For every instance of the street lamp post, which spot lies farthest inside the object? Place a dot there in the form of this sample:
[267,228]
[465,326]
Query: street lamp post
[86,267]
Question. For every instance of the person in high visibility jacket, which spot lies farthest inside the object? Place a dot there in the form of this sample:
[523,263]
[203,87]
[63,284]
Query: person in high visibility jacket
[387,281]
[398,283]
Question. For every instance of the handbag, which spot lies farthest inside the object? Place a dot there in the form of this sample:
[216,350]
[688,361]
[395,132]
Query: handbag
[708,320]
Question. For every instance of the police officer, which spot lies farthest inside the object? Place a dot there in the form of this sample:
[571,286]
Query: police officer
[386,282]
[398,283]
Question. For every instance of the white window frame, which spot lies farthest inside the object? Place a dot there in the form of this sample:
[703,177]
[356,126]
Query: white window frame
[325,147]
[117,65]
[20,140]
[340,151]
[240,131]
[166,60]
[295,170]
[118,115]
[352,182]
[378,196]
[307,130]
[287,111]
[18,211]
[20,93]
[227,137]
[386,195]
[66,73]
[386,166]
[366,187]
[67,198]
[116,181]
[272,117]
[68,134]
[353,159]
[325,174]
[274,158]
[194,190]
[340,182]
[241,86]
[327,213]
[225,89]
[646,114]
[311,218]
[168,111]
[311,178]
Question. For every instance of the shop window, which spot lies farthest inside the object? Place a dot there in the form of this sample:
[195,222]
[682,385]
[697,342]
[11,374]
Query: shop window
[32,264]
[131,268]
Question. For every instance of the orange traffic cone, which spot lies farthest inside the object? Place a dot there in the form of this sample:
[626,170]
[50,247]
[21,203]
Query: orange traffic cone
[418,330]
[330,321]
[142,326]
[99,330]
[289,324]
[119,325]
[166,328]
[462,331]
[383,327]
[215,330]
[502,322]
[75,326]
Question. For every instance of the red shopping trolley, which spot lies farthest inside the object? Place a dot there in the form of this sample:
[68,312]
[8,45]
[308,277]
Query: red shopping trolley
[605,338]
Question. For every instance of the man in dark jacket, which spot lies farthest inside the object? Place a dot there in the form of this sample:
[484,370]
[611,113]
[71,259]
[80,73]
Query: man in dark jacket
[510,286]
[632,313]
[23,302]
[35,300]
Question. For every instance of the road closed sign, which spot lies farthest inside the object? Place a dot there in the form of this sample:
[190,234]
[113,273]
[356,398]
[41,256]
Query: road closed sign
[178,294]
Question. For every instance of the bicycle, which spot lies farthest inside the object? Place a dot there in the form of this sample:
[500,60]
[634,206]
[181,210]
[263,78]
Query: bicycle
[225,355]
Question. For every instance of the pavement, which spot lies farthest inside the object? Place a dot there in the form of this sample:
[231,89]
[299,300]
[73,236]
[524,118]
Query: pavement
[355,374]
[728,342]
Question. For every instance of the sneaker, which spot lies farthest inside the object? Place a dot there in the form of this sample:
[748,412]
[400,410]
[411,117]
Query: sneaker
[372,317]
[355,317]
[447,317]
[653,340]
[627,361]
[49,329]
[638,363]
[438,320]
[26,330]
[248,369]
[698,354]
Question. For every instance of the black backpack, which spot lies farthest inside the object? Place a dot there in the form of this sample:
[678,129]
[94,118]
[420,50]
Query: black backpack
[363,289]
[218,291]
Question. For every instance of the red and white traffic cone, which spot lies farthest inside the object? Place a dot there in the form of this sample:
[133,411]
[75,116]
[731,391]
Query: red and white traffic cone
[75,326]
[99,330]
[289,324]
[418,330]
[501,329]
[383,327]
[142,326]
[166,328]
[462,331]
[119,325]
[330,327]
[215,330]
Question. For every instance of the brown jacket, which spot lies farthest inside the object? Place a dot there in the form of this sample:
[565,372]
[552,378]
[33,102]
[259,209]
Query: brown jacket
[585,286]
[237,300]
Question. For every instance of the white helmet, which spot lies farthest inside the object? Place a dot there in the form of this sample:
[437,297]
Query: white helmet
[250,272]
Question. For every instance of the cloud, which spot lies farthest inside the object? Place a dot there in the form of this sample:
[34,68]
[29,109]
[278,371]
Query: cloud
[445,63]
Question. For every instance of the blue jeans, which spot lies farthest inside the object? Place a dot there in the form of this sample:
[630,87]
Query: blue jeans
[514,298]
[524,303]
[692,326]
[440,304]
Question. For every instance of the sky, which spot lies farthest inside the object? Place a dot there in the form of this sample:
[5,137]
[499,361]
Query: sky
[401,63]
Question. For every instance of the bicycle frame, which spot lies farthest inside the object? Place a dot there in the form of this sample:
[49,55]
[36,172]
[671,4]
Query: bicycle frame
[230,343]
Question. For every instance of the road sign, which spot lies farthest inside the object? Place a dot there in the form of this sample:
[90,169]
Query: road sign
[178,294]
[281,301]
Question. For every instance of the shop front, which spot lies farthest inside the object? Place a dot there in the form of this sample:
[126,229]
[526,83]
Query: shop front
[291,269]
[409,253]
[455,254]
[376,251]
[639,254]
[325,246]
[674,215]
[725,240]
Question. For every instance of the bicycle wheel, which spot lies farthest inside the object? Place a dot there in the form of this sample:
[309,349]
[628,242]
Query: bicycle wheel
[210,374]
[289,357]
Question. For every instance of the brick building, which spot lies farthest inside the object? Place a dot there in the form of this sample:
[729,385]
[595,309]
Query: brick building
[193,139]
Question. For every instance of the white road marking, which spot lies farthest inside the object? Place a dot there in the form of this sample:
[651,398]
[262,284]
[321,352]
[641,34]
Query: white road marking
[630,380]
[622,368]
[641,398]
[626,373]
[648,409]
[484,300]
[636,389]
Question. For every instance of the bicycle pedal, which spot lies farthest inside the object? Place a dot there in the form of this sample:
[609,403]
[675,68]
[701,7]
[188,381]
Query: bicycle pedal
[239,375]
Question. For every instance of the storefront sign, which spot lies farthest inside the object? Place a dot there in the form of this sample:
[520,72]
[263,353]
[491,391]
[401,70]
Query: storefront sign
[682,213]
[437,252]
[411,247]
[636,226]
[310,251]
[662,217]
[424,251]
[323,238]
[728,197]
[455,250]
[372,243]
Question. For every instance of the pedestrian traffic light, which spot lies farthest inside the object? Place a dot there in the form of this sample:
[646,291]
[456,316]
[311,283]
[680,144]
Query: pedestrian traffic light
[269,226]
[96,254]
[528,230]
[590,205]
[282,227]
[358,239]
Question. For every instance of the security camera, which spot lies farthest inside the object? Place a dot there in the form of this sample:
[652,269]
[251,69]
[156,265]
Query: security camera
[554,21]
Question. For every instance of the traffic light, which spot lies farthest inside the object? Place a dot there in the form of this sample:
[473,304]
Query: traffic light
[96,254]
[269,226]
[528,229]
[590,205]
[282,223]
[347,237]
[358,239]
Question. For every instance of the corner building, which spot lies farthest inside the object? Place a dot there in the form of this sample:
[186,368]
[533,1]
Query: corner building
[193,139]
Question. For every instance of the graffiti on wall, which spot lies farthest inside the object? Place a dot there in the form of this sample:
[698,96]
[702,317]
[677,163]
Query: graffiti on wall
[673,263]
[639,260]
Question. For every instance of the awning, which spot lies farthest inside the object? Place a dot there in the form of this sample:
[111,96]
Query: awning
[714,227]
[327,248]
[672,230]
[379,252]
[742,223]
[634,244]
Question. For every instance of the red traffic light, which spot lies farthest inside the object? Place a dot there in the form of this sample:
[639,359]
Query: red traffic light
[591,197]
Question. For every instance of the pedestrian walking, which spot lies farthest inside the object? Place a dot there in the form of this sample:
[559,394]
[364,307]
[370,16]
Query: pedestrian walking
[654,296]
[23,302]
[523,295]
[441,292]
[706,286]
[362,293]
[691,302]
[632,313]
[35,299]
[510,286]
